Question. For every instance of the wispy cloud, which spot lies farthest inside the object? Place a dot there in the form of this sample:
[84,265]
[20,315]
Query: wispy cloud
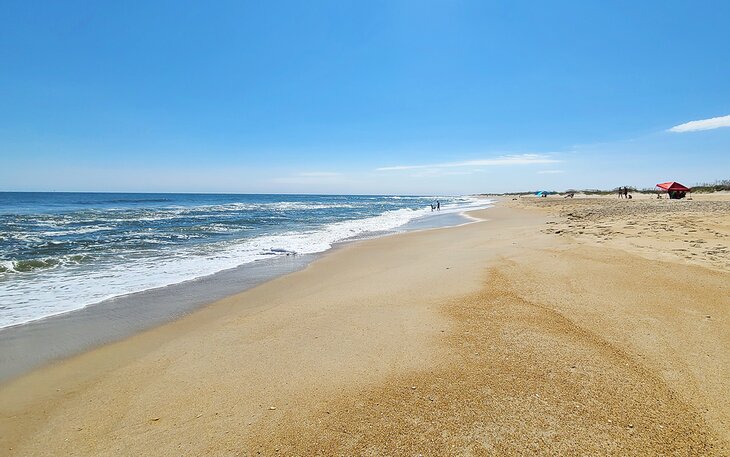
[703,124]
[550,172]
[458,173]
[318,174]
[506,160]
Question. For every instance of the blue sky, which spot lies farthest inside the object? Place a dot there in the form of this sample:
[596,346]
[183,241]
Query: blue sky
[362,97]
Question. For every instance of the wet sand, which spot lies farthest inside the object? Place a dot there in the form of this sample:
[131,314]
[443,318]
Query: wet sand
[30,345]
[498,337]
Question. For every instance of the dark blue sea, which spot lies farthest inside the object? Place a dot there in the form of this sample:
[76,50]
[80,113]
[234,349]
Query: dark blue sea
[65,251]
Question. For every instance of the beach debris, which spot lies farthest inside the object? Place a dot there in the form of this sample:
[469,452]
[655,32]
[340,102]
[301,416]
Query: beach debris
[154,419]
[413,387]
[198,416]
[272,408]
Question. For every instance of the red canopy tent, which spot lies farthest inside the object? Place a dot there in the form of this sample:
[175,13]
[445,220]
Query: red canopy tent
[673,186]
[674,189]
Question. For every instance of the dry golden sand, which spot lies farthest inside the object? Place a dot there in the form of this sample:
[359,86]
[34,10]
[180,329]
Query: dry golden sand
[520,379]
[695,230]
[499,337]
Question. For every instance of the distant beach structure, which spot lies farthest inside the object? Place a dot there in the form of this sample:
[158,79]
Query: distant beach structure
[674,189]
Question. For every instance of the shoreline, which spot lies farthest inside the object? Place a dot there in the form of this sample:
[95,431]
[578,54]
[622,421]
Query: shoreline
[492,337]
[31,345]
[62,254]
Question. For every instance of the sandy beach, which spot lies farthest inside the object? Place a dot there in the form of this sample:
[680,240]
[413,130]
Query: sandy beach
[586,326]
[365,229]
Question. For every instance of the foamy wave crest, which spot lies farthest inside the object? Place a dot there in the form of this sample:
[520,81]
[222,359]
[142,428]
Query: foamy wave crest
[242,207]
[77,286]
[25,266]
[321,240]
[76,231]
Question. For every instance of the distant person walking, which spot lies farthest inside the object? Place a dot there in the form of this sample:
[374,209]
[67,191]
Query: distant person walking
[626,192]
[620,192]
[438,205]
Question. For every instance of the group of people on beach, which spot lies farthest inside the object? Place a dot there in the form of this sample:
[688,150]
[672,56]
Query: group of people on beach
[436,206]
[623,192]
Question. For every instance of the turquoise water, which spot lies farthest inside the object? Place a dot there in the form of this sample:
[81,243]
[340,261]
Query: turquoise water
[65,251]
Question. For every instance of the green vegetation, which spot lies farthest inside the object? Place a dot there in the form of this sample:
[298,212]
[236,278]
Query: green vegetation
[717,186]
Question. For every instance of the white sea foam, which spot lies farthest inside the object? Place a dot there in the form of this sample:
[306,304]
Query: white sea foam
[58,290]
[285,205]
[76,231]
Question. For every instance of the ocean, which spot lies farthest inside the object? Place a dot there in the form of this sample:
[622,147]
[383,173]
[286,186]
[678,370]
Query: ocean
[61,252]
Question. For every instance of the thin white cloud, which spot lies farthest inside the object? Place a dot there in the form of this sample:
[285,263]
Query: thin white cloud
[318,174]
[703,124]
[550,172]
[519,159]
[457,173]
